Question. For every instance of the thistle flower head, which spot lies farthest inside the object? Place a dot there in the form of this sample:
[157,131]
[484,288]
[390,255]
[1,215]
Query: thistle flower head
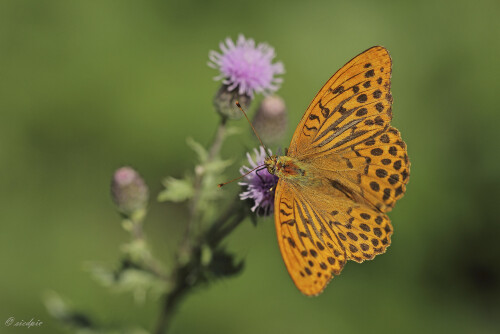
[259,185]
[247,67]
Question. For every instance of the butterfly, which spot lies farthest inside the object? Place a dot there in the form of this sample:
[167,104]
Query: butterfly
[345,168]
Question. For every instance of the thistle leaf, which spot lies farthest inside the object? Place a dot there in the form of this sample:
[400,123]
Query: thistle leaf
[224,264]
[201,152]
[176,190]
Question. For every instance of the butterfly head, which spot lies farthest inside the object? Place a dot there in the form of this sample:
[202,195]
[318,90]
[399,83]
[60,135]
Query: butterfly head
[270,163]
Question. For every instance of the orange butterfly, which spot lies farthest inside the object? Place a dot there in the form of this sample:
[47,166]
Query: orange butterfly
[344,170]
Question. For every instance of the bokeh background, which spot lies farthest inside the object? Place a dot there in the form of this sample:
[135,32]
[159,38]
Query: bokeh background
[88,86]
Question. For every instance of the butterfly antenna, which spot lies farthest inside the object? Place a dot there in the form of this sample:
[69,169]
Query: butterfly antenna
[254,131]
[223,184]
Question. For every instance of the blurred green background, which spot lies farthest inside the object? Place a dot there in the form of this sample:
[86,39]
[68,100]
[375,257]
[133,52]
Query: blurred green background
[88,86]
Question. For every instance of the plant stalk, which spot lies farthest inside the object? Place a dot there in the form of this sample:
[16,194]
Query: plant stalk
[189,255]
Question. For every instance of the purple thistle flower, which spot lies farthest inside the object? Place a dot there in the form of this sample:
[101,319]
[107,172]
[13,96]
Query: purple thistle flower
[247,67]
[260,184]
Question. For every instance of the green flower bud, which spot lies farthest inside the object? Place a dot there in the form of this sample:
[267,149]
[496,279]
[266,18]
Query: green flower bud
[270,120]
[129,191]
[225,103]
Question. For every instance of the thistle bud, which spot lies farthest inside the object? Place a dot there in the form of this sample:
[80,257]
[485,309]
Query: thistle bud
[225,102]
[270,120]
[129,191]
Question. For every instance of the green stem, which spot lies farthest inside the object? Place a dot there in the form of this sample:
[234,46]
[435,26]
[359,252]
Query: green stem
[170,304]
[227,229]
[219,223]
[190,272]
[228,221]
[188,257]
[214,150]
[147,262]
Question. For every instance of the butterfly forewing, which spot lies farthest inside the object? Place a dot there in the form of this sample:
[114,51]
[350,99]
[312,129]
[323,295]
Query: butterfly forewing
[352,106]
[374,172]
[384,168]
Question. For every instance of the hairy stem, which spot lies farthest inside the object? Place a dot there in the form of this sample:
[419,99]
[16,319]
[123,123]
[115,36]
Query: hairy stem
[188,261]
[229,220]
[147,262]
[171,302]
[186,276]
[214,150]
[228,228]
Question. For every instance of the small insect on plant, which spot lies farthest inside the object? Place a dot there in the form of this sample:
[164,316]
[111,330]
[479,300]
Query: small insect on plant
[345,168]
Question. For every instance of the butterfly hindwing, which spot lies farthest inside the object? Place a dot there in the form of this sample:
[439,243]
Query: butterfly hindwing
[352,106]
[361,229]
[363,232]
[311,250]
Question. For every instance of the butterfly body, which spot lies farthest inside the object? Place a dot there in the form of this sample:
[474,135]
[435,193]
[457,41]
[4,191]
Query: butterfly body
[344,170]
[287,167]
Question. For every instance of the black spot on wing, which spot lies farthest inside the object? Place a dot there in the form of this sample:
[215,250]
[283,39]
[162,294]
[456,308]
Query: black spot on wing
[313,117]
[311,128]
[324,110]
[285,213]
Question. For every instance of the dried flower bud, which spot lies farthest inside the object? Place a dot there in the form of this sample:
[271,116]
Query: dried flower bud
[225,102]
[128,190]
[270,120]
